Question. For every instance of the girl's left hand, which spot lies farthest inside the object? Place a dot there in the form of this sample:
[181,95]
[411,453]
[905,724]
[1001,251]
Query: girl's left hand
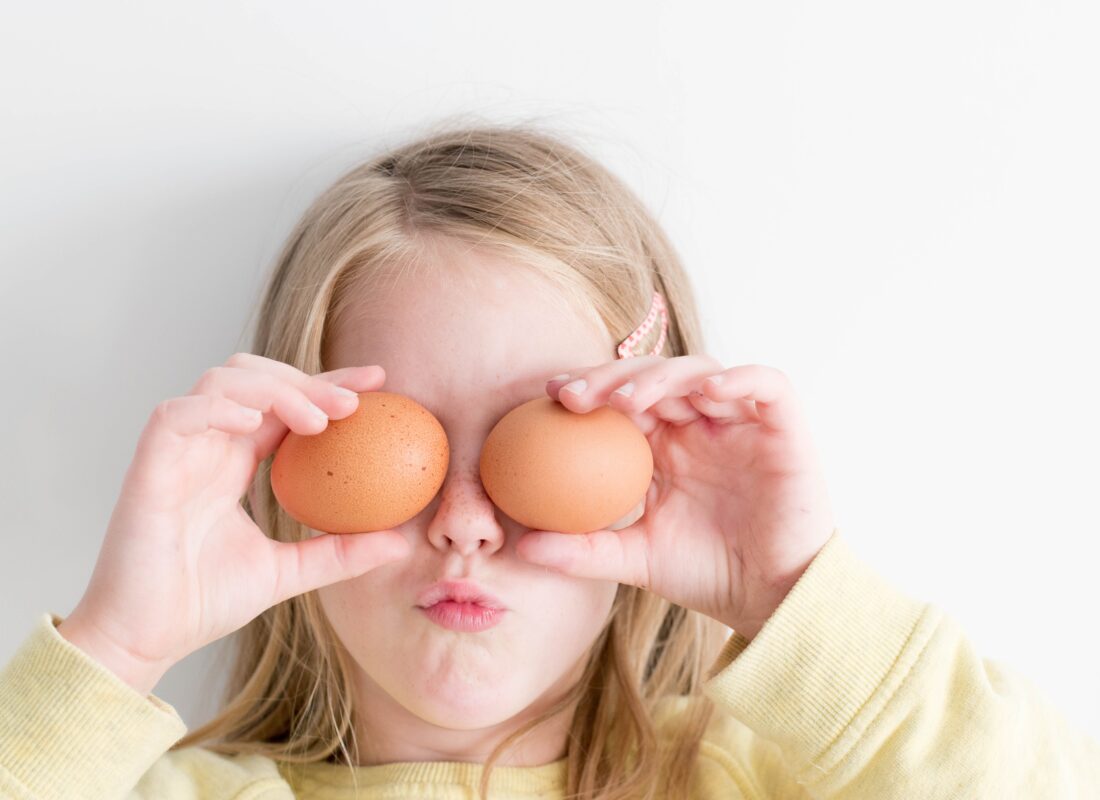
[737,508]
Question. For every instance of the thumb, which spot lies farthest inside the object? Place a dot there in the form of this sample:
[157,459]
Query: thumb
[621,556]
[331,558]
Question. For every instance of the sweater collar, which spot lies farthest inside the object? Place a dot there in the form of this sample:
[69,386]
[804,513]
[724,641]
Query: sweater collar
[327,781]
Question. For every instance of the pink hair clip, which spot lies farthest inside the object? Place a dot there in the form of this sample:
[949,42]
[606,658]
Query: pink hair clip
[626,347]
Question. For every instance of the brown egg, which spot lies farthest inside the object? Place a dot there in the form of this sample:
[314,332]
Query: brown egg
[553,469]
[370,471]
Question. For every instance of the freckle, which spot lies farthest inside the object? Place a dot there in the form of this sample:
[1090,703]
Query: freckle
[329,473]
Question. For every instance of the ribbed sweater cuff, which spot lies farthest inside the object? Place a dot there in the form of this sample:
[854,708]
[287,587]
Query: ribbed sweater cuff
[69,727]
[826,661]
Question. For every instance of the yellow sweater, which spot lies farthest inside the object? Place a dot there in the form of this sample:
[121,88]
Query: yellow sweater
[850,690]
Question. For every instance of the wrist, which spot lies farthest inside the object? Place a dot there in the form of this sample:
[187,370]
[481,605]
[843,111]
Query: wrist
[140,676]
[749,626]
[766,597]
[749,622]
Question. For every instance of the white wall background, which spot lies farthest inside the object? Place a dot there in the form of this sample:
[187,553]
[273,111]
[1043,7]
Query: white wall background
[895,204]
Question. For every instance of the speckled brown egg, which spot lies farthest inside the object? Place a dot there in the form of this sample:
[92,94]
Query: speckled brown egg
[370,471]
[553,469]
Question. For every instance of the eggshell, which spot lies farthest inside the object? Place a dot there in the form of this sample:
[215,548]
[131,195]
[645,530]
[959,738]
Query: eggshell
[553,469]
[370,471]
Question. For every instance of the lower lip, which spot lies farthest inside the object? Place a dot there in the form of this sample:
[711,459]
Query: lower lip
[469,617]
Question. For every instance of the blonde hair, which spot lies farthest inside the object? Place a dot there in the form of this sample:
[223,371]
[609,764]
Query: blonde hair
[526,192]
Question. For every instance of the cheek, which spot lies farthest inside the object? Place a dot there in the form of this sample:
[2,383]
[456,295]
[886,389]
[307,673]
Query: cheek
[569,618]
[361,612]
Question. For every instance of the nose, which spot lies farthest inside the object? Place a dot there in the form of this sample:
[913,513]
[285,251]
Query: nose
[465,520]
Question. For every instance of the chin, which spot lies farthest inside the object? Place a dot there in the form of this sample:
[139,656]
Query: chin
[457,705]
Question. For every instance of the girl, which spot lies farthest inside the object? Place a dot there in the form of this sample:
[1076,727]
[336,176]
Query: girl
[474,270]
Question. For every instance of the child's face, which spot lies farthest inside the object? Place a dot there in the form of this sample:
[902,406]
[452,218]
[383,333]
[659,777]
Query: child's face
[469,351]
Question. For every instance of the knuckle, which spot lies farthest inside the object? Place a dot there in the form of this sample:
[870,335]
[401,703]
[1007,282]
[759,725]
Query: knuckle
[624,399]
[209,379]
[240,359]
[642,574]
[161,412]
[343,555]
[290,567]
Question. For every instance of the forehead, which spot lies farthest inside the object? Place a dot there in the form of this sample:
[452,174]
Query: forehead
[473,326]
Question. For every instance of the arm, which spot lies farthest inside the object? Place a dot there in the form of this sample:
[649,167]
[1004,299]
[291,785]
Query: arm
[868,693]
[70,727]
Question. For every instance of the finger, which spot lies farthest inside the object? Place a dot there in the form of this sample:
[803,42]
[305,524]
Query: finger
[291,401]
[171,424]
[350,377]
[771,391]
[594,382]
[193,414]
[606,555]
[303,405]
[621,367]
[322,389]
[332,557]
[676,410]
[242,413]
[731,411]
[644,384]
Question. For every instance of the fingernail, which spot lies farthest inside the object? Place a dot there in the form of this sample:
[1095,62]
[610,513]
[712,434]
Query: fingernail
[626,389]
[576,387]
[315,411]
[340,390]
[562,377]
[716,379]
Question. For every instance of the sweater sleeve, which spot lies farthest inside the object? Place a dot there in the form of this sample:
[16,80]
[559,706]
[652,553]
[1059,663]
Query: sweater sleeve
[69,727]
[863,692]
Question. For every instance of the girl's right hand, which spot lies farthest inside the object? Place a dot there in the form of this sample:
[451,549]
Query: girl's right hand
[182,564]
